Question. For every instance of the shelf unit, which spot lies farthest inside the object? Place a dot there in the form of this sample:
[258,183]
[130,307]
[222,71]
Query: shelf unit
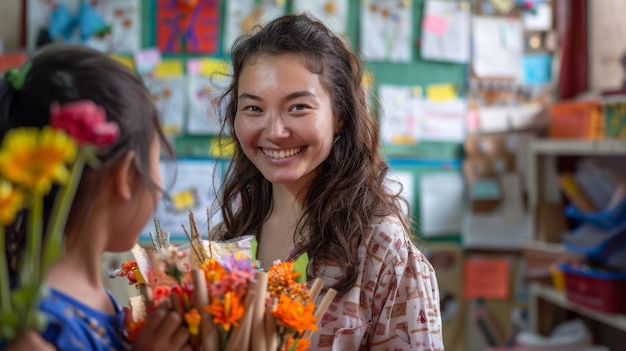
[540,150]
[550,294]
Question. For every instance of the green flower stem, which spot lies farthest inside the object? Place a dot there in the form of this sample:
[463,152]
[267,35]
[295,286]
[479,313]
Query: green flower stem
[5,283]
[29,274]
[53,245]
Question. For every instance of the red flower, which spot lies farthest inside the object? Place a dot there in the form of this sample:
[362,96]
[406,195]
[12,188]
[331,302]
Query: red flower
[85,121]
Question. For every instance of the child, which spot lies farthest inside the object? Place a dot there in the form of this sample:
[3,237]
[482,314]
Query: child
[308,177]
[112,205]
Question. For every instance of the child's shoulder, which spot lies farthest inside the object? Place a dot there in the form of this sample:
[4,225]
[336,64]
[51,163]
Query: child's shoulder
[73,325]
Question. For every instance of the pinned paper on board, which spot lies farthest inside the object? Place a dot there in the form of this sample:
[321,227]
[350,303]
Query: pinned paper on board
[486,278]
[106,25]
[333,13]
[206,81]
[168,94]
[147,60]
[443,120]
[536,69]
[445,32]
[193,187]
[125,60]
[406,180]
[386,30]
[401,113]
[243,15]
[188,29]
[498,45]
[441,202]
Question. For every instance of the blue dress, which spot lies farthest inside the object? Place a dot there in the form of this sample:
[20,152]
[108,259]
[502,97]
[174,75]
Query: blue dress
[75,326]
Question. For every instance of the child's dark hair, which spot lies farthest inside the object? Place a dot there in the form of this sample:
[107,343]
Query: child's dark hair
[63,74]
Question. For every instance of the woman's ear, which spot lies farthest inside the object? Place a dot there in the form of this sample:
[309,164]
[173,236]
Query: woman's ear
[124,177]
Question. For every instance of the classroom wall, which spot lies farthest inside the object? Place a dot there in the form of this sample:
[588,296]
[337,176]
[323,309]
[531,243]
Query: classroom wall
[10,18]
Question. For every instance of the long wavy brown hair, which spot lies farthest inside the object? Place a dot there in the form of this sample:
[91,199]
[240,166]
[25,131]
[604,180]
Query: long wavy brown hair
[351,185]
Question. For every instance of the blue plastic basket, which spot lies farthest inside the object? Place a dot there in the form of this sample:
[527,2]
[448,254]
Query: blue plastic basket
[606,220]
[604,246]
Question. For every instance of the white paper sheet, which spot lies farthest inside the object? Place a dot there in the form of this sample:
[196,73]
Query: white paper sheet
[498,45]
[445,32]
[443,121]
[441,203]
[408,189]
[333,14]
[402,111]
[242,16]
[386,30]
[204,109]
[170,99]
[191,185]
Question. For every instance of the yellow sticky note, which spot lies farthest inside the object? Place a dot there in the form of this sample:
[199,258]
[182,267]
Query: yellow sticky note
[222,148]
[368,79]
[210,67]
[441,92]
[169,68]
[126,61]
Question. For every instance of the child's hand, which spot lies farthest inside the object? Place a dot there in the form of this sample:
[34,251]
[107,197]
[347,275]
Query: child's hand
[164,330]
[29,342]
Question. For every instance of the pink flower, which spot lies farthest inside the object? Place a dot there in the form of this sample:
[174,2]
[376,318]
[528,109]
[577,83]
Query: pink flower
[85,121]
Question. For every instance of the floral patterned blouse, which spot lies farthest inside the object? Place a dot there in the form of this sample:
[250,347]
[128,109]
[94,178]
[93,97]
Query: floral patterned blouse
[394,304]
[75,326]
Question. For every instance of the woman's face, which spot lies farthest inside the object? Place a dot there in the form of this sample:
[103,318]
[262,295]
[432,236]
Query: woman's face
[284,121]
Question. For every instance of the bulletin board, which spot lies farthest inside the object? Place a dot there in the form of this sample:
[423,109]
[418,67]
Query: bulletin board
[416,72]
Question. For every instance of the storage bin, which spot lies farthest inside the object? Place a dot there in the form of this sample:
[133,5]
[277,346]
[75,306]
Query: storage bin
[577,119]
[602,291]
[597,244]
[606,220]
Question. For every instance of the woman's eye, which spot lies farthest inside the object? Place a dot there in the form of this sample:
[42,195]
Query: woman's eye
[299,107]
[252,108]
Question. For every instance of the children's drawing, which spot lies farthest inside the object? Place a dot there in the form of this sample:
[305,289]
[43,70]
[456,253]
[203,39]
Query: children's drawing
[191,186]
[169,96]
[243,15]
[386,32]
[106,25]
[333,13]
[204,107]
[401,113]
[188,27]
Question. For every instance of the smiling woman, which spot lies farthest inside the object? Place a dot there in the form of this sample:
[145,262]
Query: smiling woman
[308,178]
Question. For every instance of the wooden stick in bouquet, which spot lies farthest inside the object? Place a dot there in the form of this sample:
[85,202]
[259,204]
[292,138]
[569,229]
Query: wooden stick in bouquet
[270,327]
[209,334]
[240,336]
[321,308]
[259,341]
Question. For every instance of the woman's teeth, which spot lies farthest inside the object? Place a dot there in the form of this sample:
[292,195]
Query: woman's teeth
[282,153]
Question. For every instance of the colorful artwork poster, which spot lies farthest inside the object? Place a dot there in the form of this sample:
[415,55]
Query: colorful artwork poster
[75,22]
[386,30]
[204,105]
[333,13]
[186,28]
[243,15]
[124,17]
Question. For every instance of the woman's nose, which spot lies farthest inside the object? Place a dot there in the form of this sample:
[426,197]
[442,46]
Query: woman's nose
[278,127]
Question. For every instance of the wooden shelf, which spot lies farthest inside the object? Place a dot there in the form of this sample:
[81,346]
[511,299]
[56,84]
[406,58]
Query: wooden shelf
[548,293]
[579,147]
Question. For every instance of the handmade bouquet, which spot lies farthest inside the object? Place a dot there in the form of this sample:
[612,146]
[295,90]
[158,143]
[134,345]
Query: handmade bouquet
[227,302]
[32,161]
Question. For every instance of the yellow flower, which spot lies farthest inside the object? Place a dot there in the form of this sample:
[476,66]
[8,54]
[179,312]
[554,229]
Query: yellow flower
[11,201]
[295,314]
[36,158]
[227,313]
[193,319]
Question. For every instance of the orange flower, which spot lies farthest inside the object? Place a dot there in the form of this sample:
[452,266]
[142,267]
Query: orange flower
[133,328]
[294,314]
[213,270]
[227,314]
[300,344]
[160,294]
[193,319]
[280,276]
